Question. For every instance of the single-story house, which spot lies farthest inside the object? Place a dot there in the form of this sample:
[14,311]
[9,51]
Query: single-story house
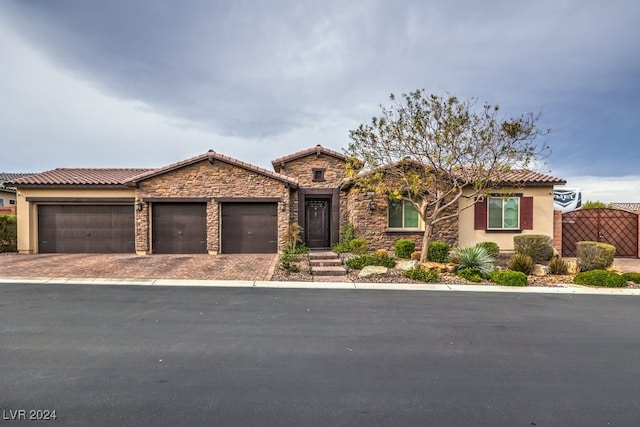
[213,203]
[7,192]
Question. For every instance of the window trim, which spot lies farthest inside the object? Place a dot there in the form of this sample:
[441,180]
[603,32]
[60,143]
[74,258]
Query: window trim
[420,226]
[502,199]
[319,178]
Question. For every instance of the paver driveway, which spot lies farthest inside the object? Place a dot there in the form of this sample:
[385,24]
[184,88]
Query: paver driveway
[129,266]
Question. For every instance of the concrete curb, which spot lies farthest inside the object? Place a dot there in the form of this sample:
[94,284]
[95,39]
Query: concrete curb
[562,289]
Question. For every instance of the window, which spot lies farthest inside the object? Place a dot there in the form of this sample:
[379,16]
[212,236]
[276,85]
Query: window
[318,174]
[402,214]
[12,202]
[504,213]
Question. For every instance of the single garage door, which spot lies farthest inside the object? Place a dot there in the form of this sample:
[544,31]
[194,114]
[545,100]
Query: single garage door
[86,229]
[249,228]
[179,228]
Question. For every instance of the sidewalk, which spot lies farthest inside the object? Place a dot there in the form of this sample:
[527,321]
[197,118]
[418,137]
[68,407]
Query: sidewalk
[563,289]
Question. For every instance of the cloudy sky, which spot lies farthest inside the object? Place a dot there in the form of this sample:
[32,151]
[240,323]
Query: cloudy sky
[146,83]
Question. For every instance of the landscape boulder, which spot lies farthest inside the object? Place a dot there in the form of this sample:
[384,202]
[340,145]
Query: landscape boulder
[373,270]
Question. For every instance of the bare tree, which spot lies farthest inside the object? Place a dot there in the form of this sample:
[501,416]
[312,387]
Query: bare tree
[425,149]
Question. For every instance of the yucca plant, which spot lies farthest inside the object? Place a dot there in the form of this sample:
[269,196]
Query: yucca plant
[473,257]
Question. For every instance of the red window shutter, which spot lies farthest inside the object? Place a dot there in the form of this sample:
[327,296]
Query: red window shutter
[526,213]
[480,215]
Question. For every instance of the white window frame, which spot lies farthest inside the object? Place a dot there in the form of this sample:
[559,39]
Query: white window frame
[502,200]
[404,203]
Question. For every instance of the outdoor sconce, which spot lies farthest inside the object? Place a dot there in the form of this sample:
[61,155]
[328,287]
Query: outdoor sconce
[139,205]
[283,206]
[372,203]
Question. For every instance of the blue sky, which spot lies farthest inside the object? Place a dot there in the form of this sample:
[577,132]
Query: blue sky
[148,83]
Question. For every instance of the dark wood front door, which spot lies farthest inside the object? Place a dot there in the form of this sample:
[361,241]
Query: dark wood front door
[179,228]
[317,223]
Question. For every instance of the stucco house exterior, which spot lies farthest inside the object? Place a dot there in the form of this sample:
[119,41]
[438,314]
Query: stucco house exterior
[213,203]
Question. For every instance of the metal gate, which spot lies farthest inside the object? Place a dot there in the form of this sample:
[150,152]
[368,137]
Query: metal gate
[614,226]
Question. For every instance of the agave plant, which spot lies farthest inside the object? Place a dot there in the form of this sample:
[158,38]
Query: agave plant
[474,257]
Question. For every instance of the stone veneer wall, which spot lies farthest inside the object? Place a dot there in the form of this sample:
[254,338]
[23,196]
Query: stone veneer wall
[372,225]
[210,181]
[302,170]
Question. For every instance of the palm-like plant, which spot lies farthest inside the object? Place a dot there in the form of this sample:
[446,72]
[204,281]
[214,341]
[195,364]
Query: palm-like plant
[474,257]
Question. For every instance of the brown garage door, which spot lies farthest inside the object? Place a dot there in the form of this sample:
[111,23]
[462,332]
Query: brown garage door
[179,228]
[249,228]
[86,229]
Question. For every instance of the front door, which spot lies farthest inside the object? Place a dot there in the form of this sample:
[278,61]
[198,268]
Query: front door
[317,223]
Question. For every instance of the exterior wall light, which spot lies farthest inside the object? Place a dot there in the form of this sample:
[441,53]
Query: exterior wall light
[283,206]
[372,203]
[139,205]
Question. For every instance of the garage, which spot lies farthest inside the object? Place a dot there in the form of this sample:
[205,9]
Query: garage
[179,228]
[249,228]
[86,229]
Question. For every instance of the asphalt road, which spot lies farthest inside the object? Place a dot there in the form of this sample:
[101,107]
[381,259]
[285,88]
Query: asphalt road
[155,356]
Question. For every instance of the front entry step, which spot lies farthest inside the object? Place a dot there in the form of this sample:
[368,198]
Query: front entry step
[326,266]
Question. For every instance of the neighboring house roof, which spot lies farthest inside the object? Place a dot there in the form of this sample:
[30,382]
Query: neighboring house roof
[79,176]
[211,156]
[317,150]
[633,207]
[8,176]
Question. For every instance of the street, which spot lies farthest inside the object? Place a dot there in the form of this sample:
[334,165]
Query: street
[143,355]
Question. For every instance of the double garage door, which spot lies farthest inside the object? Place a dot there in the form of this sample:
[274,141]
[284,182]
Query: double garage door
[176,228]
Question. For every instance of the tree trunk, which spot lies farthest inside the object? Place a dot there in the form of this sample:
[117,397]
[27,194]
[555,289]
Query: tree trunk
[425,241]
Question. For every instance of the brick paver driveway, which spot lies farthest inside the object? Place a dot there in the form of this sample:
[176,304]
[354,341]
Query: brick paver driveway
[129,266]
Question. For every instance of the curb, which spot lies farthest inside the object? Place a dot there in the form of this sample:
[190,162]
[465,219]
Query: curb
[563,289]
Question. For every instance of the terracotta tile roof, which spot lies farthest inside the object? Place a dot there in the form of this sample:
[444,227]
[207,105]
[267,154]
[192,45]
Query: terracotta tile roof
[212,156]
[633,207]
[514,177]
[8,176]
[312,150]
[79,176]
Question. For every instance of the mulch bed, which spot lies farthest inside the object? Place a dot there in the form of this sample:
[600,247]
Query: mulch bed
[395,276]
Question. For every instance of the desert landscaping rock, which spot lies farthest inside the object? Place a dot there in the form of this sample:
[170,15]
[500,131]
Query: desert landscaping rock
[373,270]
[407,265]
[540,270]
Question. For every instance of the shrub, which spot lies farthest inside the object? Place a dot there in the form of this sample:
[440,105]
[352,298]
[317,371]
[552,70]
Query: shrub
[594,255]
[361,261]
[404,247]
[558,266]
[416,255]
[359,245]
[474,257]
[537,246]
[632,277]
[288,261]
[346,236]
[522,263]
[438,252]
[604,278]
[509,278]
[8,233]
[422,275]
[470,274]
[382,253]
[492,248]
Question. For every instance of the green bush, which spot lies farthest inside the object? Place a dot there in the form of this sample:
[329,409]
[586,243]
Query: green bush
[632,277]
[346,236]
[594,255]
[509,278]
[403,248]
[422,275]
[361,261]
[604,278]
[558,266]
[537,246]
[288,261]
[492,248]
[438,252]
[470,274]
[359,245]
[522,263]
[473,257]
[8,233]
